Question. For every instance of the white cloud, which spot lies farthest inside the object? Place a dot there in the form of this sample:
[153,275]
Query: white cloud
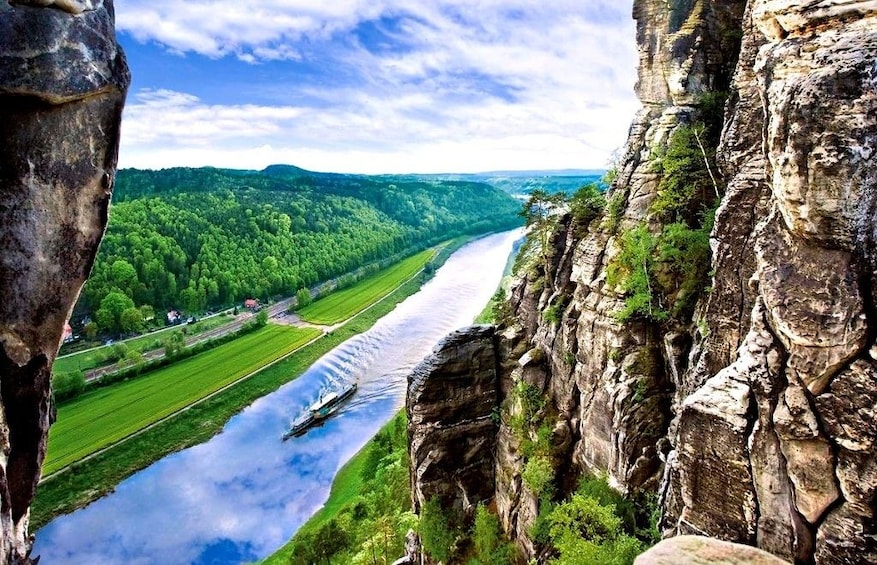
[476,85]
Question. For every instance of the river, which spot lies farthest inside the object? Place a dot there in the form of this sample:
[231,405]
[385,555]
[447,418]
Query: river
[240,496]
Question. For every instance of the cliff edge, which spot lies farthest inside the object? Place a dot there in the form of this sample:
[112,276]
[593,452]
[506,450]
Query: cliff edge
[709,336]
[63,80]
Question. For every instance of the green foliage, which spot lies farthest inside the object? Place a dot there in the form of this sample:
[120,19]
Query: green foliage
[663,275]
[199,238]
[614,210]
[174,344]
[682,265]
[527,402]
[438,537]
[598,489]
[489,545]
[640,390]
[551,314]
[587,203]
[131,320]
[261,319]
[589,529]
[631,270]
[500,308]
[112,306]
[686,189]
[302,297]
[109,414]
[67,385]
[539,213]
[538,475]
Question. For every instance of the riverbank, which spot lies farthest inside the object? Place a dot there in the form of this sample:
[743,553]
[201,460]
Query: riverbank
[89,480]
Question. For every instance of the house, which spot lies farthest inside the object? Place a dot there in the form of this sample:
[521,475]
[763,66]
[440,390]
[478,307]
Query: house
[68,333]
[173,317]
[251,303]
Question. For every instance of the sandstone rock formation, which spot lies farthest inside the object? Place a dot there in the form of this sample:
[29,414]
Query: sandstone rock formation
[699,549]
[452,396]
[63,81]
[753,415]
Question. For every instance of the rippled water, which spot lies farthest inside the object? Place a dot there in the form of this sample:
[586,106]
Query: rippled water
[241,495]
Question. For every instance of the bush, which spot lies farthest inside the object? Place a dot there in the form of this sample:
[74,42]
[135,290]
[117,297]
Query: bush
[585,531]
[302,297]
[631,271]
[436,532]
[68,385]
[538,476]
[587,203]
[662,275]
[490,547]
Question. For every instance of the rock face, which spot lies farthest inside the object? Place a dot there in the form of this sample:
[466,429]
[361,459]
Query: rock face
[452,397]
[63,81]
[754,417]
[700,549]
[806,487]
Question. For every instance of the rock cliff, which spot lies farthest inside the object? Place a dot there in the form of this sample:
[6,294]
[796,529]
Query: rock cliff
[746,401]
[63,81]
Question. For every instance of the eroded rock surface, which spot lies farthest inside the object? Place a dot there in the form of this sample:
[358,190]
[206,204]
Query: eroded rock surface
[451,403]
[700,549]
[63,81]
[811,94]
[754,419]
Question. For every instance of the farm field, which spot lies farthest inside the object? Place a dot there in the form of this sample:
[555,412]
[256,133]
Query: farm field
[108,414]
[343,304]
[97,357]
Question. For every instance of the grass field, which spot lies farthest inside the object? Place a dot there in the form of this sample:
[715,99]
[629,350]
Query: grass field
[111,413]
[343,304]
[98,357]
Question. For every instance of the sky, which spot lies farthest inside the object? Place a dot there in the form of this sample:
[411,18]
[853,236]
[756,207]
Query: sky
[377,86]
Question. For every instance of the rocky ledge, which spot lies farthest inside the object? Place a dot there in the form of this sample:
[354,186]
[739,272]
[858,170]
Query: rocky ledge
[63,81]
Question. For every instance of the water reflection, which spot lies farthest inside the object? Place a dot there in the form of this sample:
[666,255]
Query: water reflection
[240,496]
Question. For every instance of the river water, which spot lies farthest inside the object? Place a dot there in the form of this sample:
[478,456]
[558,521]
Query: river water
[240,496]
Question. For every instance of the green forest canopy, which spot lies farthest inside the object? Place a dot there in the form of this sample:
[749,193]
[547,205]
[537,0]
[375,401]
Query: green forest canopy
[195,239]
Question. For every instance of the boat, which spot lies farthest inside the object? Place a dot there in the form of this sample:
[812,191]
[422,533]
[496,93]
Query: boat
[320,410]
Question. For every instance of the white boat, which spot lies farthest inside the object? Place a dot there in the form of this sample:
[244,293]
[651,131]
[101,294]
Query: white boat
[320,410]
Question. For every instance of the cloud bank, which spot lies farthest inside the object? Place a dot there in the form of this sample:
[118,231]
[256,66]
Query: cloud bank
[384,86]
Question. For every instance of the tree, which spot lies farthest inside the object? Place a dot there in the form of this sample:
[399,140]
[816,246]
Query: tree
[174,344]
[538,213]
[490,548]
[302,297]
[68,385]
[91,329]
[435,530]
[587,203]
[109,315]
[131,320]
[330,539]
[124,276]
[147,312]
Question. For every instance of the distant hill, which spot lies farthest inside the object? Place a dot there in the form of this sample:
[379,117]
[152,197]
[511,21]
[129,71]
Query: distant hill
[195,239]
[525,182]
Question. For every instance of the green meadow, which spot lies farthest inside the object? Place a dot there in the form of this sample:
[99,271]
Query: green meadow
[343,304]
[109,414]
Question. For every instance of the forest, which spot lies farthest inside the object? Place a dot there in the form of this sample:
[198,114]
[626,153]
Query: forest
[198,239]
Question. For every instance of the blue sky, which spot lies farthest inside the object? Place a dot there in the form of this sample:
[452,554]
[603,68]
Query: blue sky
[377,86]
